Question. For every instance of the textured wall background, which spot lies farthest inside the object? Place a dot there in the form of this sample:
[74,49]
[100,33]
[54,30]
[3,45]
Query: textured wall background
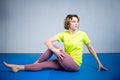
[26,24]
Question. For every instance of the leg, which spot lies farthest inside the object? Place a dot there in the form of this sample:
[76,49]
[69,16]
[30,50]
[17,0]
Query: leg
[53,64]
[67,63]
[45,56]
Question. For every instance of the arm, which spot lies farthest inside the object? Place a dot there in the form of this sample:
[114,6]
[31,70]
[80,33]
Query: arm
[48,43]
[92,51]
[51,47]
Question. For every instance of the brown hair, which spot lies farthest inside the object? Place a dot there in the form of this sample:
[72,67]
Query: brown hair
[68,19]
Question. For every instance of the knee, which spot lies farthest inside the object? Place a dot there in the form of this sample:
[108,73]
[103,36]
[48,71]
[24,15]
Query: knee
[73,69]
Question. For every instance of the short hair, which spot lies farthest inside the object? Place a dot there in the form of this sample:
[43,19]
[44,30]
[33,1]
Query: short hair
[68,19]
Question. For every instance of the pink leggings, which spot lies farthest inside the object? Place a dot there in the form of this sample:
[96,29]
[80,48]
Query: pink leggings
[67,63]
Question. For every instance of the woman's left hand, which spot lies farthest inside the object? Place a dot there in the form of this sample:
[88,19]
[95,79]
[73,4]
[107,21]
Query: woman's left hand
[101,67]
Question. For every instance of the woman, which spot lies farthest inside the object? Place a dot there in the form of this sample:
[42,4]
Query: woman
[69,59]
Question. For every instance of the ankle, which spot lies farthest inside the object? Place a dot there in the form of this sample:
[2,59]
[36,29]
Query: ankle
[21,67]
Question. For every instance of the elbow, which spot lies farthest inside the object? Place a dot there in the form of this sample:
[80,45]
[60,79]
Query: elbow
[46,42]
[49,41]
[90,48]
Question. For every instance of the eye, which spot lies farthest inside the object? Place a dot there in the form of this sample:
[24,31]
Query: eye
[74,21]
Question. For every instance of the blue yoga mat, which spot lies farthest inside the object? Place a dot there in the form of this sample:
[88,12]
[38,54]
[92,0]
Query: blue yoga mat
[88,70]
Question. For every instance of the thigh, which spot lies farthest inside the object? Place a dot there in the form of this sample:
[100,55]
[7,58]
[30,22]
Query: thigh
[68,63]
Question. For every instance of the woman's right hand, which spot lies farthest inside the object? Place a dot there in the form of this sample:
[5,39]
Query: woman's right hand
[59,55]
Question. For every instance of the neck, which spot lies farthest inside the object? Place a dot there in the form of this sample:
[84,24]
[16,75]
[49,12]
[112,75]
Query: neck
[73,31]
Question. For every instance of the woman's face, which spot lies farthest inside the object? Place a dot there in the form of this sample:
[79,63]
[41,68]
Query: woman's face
[74,24]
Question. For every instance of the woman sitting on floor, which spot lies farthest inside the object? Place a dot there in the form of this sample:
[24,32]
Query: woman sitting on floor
[69,59]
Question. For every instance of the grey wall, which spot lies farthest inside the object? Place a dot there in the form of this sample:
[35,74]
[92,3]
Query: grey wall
[26,24]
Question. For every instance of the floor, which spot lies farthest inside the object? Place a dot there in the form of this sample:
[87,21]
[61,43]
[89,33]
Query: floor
[88,69]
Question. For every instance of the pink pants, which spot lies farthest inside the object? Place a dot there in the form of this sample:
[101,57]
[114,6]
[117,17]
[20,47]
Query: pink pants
[67,63]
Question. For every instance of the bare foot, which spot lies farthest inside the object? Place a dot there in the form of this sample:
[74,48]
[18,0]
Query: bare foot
[15,68]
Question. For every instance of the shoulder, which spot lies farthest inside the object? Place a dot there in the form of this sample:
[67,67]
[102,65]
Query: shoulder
[64,32]
[82,32]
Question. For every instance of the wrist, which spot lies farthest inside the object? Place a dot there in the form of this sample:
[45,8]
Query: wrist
[56,51]
[99,64]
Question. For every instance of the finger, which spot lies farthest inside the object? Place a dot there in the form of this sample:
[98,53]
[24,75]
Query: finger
[104,68]
[99,69]
[62,55]
[60,58]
